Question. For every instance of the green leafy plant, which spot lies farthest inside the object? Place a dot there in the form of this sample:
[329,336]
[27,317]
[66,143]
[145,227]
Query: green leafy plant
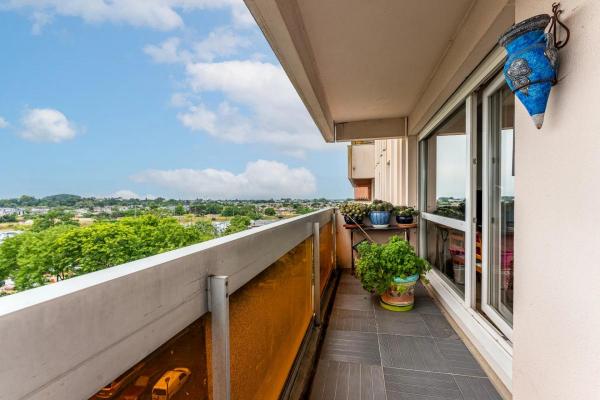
[379,264]
[354,210]
[380,205]
[405,211]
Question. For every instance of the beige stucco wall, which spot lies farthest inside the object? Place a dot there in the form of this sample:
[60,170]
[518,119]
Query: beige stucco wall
[557,278]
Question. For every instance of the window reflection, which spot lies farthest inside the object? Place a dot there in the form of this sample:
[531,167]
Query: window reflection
[502,204]
[447,167]
[176,370]
[446,253]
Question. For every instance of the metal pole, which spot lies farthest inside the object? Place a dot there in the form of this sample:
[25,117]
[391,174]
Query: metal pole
[334,232]
[316,274]
[219,294]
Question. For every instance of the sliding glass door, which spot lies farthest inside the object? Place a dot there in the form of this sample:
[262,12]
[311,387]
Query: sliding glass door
[498,204]
[467,177]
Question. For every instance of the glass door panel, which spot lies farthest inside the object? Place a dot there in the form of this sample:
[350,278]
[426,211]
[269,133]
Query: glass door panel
[499,200]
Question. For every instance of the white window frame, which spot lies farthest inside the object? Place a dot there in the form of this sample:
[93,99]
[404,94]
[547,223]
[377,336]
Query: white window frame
[495,85]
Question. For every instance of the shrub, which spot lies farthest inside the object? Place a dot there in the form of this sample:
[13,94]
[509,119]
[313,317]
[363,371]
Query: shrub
[379,264]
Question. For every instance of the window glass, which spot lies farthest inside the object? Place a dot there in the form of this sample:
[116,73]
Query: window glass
[446,171]
[502,200]
[446,253]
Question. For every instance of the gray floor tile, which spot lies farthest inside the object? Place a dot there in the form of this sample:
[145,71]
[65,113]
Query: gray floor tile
[426,305]
[430,384]
[476,388]
[439,326]
[353,302]
[458,358]
[412,352]
[354,347]
[352,320]
[350,288]
[402,324]
[345,381]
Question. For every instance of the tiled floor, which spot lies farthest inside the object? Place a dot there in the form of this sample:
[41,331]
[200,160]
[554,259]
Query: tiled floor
[371,353]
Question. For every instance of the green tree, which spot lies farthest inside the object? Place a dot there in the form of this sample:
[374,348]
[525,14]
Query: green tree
[40,258]
[237,224]
[179,209]
[270,211]
[53,218]
[9,251]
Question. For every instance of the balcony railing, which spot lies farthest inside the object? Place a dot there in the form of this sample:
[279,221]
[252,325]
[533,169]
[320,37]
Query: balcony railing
[228,316]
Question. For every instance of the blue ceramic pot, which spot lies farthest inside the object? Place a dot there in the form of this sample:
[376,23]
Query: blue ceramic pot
[380,219]
[532,64]
[404,219]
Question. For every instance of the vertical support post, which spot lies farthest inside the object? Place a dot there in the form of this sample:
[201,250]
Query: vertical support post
[316,274]
[219,294]
[334,233]
[471,201]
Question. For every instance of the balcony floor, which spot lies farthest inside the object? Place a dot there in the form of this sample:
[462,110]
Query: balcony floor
[372,353]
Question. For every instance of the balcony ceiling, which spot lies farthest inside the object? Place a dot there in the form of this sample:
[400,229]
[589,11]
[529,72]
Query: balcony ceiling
[357,60]
[374,58]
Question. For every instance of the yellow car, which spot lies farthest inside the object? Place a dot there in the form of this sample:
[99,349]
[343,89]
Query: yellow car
[170,383]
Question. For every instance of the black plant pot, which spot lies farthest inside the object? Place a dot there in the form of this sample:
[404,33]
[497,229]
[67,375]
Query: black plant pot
[350,222]
[404,220]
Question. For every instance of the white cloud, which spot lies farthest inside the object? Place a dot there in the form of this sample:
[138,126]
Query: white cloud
[124,194]
[219,43]
[157,14]
[260,179]
[46,125]
[272,111]
[3,123]
[167,52]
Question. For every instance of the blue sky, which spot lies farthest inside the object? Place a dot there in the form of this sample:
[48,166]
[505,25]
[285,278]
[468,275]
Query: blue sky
[172,98]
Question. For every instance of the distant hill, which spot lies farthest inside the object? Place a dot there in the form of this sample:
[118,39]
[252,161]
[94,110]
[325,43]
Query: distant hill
[61,199]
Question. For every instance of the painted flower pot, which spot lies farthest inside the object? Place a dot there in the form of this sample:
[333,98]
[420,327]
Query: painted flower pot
[380,219]
[404,219]
[401,294]
[349,221]
[532,64]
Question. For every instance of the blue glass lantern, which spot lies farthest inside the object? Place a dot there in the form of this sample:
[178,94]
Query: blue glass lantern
[532,65]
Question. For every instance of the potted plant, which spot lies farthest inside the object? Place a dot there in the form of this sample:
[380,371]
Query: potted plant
[353,212]
[391,270]
[379,213]
[405,215]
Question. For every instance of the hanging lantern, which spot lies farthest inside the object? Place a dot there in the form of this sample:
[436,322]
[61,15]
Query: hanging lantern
[531,68]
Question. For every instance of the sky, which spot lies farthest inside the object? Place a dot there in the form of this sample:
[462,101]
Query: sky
[144,98]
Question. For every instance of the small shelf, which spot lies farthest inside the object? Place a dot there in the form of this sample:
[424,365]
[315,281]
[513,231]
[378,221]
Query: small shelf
[389,228]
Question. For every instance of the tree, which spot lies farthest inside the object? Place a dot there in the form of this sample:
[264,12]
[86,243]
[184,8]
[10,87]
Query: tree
[65,250]
[179,210]
[53,218]
[237,224]
[9,251]
[270,211]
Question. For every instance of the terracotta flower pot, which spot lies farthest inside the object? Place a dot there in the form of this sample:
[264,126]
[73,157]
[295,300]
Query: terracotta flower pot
[401,294]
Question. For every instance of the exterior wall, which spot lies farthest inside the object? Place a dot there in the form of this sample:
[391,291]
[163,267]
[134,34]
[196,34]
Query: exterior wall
[361,159]
[391,163]
[557,283]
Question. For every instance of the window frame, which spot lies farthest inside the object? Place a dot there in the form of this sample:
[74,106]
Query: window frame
[493,87]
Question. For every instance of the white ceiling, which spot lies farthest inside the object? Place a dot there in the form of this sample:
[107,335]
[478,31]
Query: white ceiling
[375,58]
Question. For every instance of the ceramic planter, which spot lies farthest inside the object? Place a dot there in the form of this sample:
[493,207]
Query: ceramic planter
[401,294]
[532,64]
[380,219]
[404,219]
